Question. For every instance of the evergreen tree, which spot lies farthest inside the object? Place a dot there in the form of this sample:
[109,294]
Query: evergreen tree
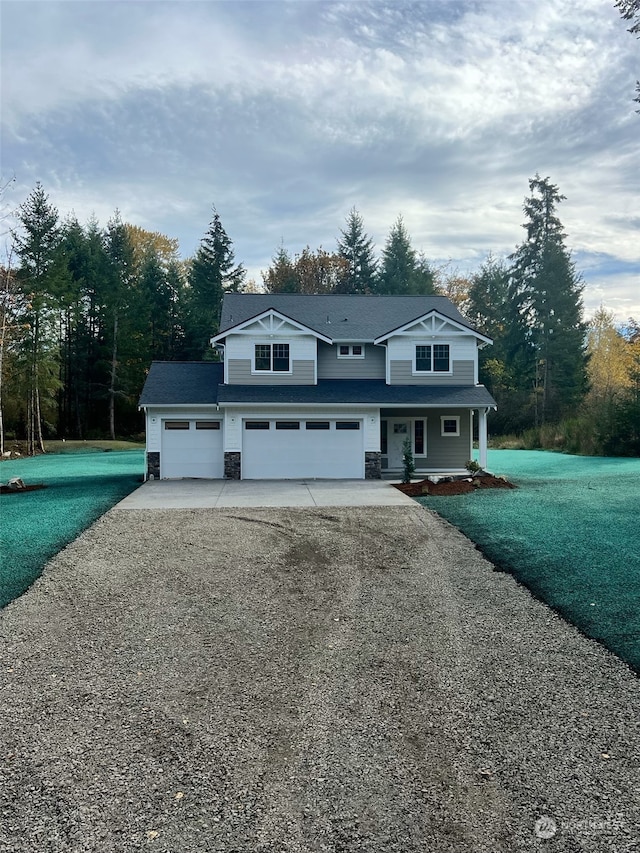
[424,279]
[118,301]
[547,337]
[402,271]
[489,310]
[213,272]
[42,277]
[281,276]
[398,262]
[357,249]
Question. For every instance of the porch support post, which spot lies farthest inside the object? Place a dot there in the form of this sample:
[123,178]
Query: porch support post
[482,438]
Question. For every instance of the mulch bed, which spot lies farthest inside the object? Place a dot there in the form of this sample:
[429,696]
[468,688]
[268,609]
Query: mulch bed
[9,490]
[453,486]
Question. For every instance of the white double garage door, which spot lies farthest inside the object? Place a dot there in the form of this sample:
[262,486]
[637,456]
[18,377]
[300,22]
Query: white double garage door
[272,449]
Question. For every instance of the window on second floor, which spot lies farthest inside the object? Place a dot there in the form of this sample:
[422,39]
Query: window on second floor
[432,358]
[350,351]
[272,358]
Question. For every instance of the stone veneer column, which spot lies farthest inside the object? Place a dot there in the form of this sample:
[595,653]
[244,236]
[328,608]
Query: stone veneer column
[232,465]
[372,465]
[153,465]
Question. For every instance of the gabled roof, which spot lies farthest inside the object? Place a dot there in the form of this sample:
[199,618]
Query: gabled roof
[337,316]
[432,316]
[175,383]
[272,312]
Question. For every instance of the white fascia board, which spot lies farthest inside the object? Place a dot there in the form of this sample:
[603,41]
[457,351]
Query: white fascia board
[467,330]
[269,312]
[352,340]
[301,405]
[354,405]
[179,406]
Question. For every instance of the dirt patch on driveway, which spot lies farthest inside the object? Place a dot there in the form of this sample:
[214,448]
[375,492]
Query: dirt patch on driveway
[303,680]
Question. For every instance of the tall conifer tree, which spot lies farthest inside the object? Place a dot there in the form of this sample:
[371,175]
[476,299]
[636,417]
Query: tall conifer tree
[213,272]
[546,294]
[403,271]
[357,249]
[42,275]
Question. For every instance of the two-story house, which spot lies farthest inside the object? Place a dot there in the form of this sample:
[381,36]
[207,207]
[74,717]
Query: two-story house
[329,386]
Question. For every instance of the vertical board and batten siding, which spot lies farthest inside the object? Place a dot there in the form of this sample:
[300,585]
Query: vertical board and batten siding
[239,373]
[235,416]
[372,366]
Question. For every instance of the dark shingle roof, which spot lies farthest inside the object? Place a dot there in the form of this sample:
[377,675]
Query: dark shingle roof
[374,391]
[175,383]
[182,382]
[339,317]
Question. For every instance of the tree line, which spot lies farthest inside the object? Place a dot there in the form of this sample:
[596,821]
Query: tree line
[84,309]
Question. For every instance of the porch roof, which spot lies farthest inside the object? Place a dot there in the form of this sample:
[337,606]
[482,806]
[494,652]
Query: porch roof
[358,391]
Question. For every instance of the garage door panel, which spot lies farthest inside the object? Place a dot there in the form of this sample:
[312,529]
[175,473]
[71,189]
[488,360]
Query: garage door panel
[303,453]
[193,452]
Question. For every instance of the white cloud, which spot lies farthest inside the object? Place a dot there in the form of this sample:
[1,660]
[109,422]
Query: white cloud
[287,114]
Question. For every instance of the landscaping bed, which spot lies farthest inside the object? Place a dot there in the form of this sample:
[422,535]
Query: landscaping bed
[453,485]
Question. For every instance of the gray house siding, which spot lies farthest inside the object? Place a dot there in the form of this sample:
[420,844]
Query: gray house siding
[448,451]
[443,452]
[239,372]
[400,374]
[372,366]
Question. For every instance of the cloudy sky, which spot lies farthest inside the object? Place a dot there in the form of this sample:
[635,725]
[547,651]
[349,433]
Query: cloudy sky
[288,114]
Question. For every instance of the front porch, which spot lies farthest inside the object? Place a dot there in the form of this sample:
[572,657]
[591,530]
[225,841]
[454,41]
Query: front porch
[442,440]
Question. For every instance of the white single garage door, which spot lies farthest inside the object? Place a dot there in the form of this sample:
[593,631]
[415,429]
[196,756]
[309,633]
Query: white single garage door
[191,448]
[282,449]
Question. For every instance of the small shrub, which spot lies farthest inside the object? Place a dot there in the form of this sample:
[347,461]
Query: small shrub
[472,466]
[408,463]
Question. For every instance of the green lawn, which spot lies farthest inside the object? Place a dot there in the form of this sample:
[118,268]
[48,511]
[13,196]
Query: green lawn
[36,525]
[570,533]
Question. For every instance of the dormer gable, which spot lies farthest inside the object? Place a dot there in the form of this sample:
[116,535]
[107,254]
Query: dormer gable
[269,323]
[433,324]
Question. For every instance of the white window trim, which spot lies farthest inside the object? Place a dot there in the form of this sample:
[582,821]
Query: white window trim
[431,372]
[425,452]
[270,343]
[350,354]
[444,418]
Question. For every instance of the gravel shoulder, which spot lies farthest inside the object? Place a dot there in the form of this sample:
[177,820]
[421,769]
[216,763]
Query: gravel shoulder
[291,681]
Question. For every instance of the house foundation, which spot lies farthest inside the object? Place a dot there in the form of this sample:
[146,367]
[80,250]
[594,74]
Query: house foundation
[153,465]
[232,465]
[372,465]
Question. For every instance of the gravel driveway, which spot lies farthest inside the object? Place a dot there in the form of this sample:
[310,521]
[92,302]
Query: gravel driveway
[304,680]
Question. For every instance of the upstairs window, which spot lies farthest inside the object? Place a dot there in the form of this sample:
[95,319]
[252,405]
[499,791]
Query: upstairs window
[272,358]
[350,351]
[432,358]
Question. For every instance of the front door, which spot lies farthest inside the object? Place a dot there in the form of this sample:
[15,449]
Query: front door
[397,432]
